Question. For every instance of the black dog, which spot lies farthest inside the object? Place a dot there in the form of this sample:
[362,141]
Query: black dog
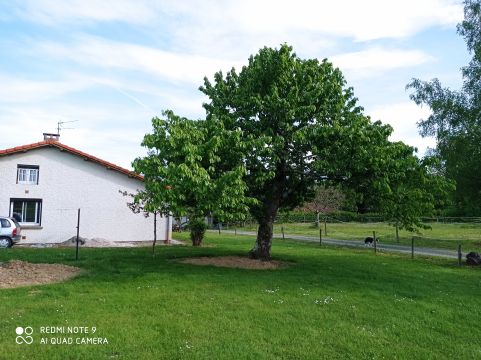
[473,258]
[369,240]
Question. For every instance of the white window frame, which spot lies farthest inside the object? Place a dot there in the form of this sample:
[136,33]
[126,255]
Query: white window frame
[38,211]
[27,175]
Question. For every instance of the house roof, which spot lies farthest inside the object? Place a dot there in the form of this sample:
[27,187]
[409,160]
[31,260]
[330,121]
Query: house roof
[63,147]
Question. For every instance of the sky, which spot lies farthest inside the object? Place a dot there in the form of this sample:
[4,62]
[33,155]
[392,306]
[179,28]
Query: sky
[106,67]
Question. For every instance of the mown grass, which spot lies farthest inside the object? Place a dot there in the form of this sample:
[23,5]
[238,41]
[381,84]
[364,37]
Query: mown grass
[331,303]
[441,235]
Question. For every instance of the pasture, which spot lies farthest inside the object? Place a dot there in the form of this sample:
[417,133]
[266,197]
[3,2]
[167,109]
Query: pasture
[441,235]
[329,303]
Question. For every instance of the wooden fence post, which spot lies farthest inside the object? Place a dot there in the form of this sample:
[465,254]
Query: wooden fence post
[375,241]
[397,231]
[412,247]
[320,236]
[78,237]
[460,255]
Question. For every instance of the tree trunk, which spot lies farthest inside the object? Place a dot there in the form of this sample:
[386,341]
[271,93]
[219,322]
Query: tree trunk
[155,233]
[196,239]
[196,236]
[262,248]
[265,218]
[318,222]
[197,227]
[266,214]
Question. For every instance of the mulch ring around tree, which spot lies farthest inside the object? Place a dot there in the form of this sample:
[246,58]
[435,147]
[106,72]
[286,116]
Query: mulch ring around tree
[240,262]
[17,273]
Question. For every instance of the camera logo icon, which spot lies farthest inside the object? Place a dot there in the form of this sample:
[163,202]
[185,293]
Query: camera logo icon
[24,335]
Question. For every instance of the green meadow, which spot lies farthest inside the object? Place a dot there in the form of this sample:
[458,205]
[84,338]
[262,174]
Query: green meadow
[328,303]
[440,235]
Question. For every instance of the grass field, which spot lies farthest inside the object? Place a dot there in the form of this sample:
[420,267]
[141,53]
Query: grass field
[330,303]
[441,235]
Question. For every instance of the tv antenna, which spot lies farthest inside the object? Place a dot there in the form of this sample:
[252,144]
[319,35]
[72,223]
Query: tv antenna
[61,127]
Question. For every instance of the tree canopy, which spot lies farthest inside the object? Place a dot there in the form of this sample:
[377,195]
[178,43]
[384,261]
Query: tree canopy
[192,170]
[273,133]
[302,124]
[394,182]
[455,120]
[410,188]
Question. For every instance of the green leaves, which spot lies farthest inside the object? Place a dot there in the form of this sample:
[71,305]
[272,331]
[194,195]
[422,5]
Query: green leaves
[456,118]
[298,118]
[193,168]
[409,189]
[273,132]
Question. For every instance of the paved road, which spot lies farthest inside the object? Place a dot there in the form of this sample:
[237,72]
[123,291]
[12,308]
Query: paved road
[357,243]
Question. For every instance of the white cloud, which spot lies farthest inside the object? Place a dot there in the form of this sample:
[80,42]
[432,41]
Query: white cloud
[403,117]
[22,90]
[53,12]
[107,54]
[361,20]
[171,46]
[369,62]
[186,68]
[112,129]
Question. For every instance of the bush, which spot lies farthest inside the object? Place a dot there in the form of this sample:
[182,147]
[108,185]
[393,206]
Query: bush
[197,231]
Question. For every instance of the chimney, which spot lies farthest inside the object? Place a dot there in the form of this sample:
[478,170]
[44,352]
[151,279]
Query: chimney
[52,137]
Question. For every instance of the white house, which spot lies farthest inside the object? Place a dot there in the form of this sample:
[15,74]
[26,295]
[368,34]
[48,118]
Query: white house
[45,183]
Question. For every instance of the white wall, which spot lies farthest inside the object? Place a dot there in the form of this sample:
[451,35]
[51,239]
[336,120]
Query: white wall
[68,182]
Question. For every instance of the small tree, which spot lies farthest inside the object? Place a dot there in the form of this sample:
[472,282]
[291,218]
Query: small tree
[409,189]
[190,170]
[327,199]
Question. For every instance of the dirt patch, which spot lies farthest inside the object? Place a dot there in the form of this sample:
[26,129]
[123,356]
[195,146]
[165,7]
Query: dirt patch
[235,262]
[16,273]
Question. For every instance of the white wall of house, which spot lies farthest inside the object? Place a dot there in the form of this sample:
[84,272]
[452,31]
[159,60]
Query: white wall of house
[68,182]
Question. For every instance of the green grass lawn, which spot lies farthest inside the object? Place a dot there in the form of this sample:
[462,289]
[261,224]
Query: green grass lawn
[331,303]
[444,236]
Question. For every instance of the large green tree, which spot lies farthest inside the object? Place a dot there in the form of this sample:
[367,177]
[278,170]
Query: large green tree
[455,120]
[193,169]
[302,124]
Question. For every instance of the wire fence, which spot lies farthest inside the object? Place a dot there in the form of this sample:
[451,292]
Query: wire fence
[452,239]
[347,218]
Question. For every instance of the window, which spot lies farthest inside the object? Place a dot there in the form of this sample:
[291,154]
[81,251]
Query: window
[5,223]
[27,174]
[29,211]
